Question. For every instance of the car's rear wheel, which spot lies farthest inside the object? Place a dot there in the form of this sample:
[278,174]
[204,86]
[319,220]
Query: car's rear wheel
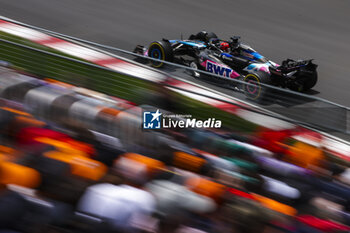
[161,50]
[303,82]
[310,81]
[253,88]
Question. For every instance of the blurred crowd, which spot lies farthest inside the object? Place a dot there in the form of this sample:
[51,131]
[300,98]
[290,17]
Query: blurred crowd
[79,167]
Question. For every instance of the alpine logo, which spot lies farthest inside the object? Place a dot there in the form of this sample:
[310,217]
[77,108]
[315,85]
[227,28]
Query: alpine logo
[217,69]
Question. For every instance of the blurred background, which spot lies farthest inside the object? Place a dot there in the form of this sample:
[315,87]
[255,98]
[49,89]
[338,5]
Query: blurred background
[73,155]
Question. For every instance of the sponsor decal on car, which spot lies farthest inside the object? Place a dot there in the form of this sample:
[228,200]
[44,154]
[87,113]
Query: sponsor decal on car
[217,69]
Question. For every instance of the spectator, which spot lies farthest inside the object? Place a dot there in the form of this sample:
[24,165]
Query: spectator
[118,205]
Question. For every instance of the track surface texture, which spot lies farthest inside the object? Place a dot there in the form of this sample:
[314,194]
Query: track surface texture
[279,29]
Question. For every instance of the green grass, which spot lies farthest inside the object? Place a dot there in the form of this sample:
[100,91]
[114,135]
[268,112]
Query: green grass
[73,72]
[102,80]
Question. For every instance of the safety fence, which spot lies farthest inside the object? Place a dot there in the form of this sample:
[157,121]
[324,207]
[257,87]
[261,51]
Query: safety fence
[44,64]
[311,110]
[300,107]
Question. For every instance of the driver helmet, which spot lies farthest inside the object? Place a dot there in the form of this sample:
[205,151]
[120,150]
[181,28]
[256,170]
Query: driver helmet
[224,46]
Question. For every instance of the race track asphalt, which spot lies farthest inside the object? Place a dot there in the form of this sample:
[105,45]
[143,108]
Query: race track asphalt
[279,29]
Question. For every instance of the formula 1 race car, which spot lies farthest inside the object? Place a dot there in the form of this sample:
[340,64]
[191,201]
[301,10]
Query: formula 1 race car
[232,59]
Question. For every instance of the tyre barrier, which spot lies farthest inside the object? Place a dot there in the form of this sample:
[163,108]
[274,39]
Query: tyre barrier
[57,104]
[14,86]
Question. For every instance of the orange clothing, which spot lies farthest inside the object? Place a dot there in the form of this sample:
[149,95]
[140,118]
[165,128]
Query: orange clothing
[206,187]
[303,155]
[11,173]
[187,161]
[275,205]
[80,165]
[152,165]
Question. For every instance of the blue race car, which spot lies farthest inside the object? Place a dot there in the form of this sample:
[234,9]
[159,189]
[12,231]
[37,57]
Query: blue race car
[232,59]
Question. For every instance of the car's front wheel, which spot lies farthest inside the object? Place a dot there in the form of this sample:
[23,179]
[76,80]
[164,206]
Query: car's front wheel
[161,50]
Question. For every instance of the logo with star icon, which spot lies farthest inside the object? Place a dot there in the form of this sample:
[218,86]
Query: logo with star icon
[152,120]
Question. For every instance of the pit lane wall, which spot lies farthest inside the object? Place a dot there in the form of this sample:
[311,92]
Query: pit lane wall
[47,58]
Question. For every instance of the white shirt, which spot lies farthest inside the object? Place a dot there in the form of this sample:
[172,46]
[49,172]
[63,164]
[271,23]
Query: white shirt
[345,176]
[173,198]
[281,188]
[220,162]
[119,204]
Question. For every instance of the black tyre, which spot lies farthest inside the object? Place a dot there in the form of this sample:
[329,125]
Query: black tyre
[304,83]
[254,90]
[310,81]
[161,50]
